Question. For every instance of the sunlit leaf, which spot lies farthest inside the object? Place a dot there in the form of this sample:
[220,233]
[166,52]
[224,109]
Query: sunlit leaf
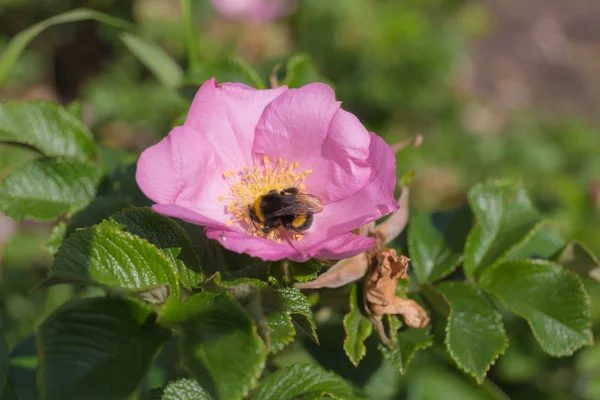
[304,381]
[287,309]
[504,217]
[97,348]
[220,344]
[475,335]
[435,251]
[47,188]
[46,127]
[358,328]
[184,389]
[551,298]
[110,256]
[168,236]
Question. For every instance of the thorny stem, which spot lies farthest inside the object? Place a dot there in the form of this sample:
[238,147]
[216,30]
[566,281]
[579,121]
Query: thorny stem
[190,32]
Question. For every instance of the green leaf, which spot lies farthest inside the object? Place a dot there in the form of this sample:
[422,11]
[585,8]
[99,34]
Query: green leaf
[75,108]
[47,127]
[358,328]
[541,242]
[185,389]
[210,252]
[12,157]
[22,371]
[437,251]
[247,293]
[168,236]
[408,343]
[220,345]
[475,334]
[109,256]
[287,308]
[434,382]
[166,70]
[97,348]
[47,188]
[304,381]
[3,362]
[504,216]
[300,71]
[20,41]
[551,298]
[249,72]
[306,271]
[231,69]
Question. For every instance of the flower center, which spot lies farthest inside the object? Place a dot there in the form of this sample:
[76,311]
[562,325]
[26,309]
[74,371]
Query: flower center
[249,184]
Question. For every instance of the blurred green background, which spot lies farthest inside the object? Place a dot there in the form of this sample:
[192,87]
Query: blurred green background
[496,88]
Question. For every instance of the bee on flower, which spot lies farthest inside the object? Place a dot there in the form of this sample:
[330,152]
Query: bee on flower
[278,173]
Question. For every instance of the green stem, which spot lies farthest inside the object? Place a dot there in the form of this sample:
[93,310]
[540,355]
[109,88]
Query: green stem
[190,32]
[493,390]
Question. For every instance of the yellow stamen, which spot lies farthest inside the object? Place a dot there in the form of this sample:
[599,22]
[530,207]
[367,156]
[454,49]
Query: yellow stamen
[252,182]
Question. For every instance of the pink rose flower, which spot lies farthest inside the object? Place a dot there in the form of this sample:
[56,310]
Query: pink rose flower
[255,10]
[238,143]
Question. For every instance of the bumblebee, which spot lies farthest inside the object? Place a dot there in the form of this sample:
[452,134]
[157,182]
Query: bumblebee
[288,208]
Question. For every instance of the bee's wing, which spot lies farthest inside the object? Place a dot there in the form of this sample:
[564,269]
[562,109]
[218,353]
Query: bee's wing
[299,204]
[313,201]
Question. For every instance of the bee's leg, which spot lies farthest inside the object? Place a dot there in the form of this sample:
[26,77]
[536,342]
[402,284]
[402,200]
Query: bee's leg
[270,224]
[291,190]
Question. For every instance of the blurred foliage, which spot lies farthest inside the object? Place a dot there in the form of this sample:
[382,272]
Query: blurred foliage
[399,66]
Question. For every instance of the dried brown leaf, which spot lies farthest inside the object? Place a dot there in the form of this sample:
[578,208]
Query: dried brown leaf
[380,293]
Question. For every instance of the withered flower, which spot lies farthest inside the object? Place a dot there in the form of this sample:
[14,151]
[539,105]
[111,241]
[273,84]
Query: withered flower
[382,268]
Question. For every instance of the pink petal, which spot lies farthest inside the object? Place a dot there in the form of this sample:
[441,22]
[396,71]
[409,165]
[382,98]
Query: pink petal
[183,169]
[343,246]
[267,250]
[343,272]
[227,115]
[372,202]
[307,126]
[340,247]
[257,10]
[342,168]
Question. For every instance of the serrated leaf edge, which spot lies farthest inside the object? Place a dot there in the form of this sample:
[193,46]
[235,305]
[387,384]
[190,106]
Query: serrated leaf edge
[418,347]
[109,225]
[480,269]
[495,357]
[363,353]
[64,112]
[567,352]
[429,279]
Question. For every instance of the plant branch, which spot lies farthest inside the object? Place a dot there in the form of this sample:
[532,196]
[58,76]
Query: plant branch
[190,33]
